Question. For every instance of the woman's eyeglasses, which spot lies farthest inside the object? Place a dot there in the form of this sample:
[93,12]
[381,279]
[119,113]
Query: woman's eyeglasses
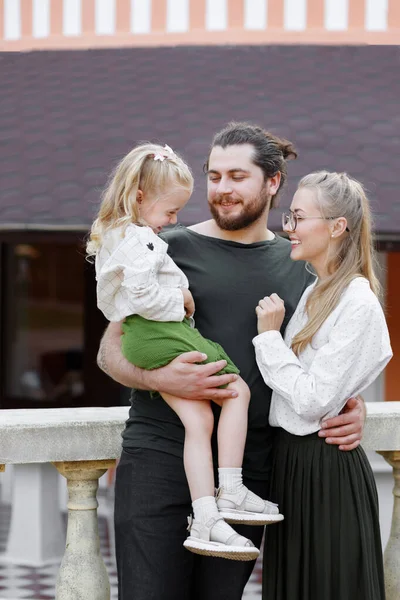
[291,220]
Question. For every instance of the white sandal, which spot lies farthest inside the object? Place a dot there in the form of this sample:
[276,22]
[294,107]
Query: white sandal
[246,508]
[200,541]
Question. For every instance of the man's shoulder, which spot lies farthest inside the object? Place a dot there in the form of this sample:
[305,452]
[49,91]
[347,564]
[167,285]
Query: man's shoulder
[282,244]
[186,237]
[281,252]
[176,232]
[175,235]
[180,242]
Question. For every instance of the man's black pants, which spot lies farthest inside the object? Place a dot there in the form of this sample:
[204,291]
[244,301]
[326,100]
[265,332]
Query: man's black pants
[152,503]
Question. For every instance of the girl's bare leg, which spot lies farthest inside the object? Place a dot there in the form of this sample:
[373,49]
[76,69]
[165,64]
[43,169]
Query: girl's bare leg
[236,503]
[198,420]
[232,426]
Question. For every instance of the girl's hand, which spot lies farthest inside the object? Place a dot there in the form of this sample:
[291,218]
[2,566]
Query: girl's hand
[270,312]
[188,302]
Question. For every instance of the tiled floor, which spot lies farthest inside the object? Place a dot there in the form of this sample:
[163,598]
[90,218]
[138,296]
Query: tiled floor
[39,584]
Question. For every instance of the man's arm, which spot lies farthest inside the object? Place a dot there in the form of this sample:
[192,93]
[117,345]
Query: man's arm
[111,360]
[182,377]
[346,430]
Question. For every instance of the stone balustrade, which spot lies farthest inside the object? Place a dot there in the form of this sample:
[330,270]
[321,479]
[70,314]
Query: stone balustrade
[83,443]
[382,434]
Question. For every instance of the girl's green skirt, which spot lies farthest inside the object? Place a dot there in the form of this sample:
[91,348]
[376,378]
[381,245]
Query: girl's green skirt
[329,546]
[153,344]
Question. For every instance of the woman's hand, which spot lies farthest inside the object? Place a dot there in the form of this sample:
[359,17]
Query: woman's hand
[270,313]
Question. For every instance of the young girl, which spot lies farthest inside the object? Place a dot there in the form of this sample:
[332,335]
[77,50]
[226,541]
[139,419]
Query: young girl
[139,283]
[335,345]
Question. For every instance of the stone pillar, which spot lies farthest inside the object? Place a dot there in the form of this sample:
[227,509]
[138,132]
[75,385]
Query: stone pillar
[83,575]
[392,551]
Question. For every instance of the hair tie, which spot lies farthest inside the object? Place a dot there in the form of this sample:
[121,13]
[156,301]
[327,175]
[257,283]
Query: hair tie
[169,154]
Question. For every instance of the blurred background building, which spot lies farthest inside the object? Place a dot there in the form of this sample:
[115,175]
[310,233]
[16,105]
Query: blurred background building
[82,81]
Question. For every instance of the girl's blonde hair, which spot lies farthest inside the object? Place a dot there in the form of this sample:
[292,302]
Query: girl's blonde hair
[338,195]
[150,168]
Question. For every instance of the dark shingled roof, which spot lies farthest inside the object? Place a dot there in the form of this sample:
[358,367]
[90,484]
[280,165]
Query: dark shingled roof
[67,116]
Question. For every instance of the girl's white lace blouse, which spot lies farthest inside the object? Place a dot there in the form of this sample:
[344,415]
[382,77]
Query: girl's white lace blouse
[135,276]
[348,352]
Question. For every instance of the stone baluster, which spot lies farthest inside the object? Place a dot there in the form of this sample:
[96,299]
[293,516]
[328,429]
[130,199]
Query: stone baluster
[392,551]
[82,574]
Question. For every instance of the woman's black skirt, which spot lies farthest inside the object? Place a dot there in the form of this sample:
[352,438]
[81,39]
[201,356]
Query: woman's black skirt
[329,546]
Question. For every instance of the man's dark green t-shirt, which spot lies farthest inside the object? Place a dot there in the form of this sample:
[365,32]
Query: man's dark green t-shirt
[227,280]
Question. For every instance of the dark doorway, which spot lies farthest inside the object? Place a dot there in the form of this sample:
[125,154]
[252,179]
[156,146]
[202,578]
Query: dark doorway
[51,326]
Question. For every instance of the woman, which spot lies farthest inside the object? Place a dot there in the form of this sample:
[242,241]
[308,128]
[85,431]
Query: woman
[336,344]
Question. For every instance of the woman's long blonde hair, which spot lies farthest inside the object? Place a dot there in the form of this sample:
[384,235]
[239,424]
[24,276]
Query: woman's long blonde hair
[141,169]
[338,195]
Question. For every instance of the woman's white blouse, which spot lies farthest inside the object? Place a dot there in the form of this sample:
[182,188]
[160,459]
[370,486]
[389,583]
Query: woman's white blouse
[136,276]
[348,352]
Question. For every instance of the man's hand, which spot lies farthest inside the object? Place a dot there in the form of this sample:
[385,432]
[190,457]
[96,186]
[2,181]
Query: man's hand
[346,429]
[184,378]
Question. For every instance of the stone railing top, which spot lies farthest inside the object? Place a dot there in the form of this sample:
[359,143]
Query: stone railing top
[70,434]
[382,429]
[61,434]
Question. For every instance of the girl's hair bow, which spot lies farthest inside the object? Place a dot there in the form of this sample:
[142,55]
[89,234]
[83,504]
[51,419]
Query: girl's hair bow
[162,157]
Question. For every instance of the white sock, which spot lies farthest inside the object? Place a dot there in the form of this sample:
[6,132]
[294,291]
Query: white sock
[230,479]
[204,508]
[232,482]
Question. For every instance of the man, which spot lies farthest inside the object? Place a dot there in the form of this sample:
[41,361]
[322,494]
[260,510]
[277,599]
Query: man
[231,262]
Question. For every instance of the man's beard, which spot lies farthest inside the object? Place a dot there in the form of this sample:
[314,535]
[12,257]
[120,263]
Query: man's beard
[250,213]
